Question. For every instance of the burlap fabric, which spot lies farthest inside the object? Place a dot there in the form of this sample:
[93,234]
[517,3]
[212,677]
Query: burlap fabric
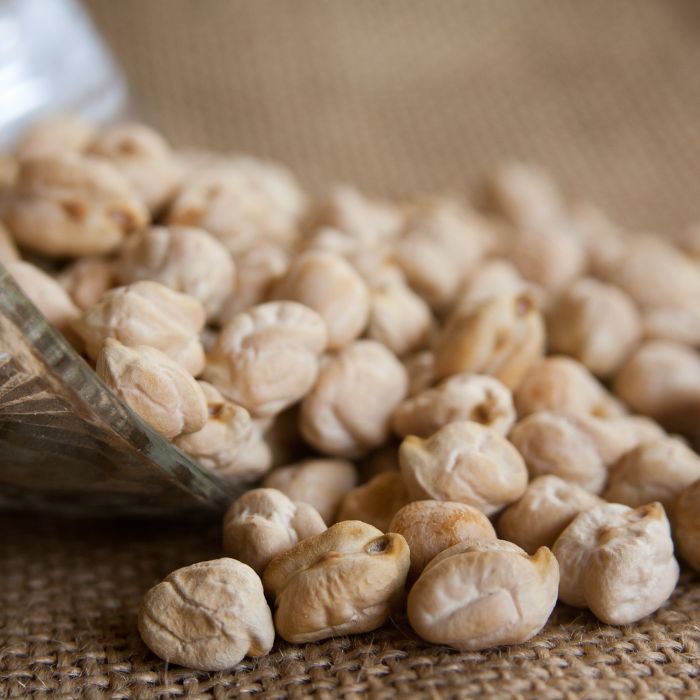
[401,97]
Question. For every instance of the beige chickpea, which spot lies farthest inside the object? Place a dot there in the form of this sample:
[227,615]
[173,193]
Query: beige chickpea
[337,416]
[153,385]
[207,616]
[563,385]
[322,483]
[329,285]
[8,249]
[430,527]
[144,157]
[62,133]
[661,379]
[603,240]
[146,313]
[46,294]
[263,523]
[420,368]
[503,337]
[69,205]
[617,561]
[524,194]
[548,505]
[182,258]
[366,221]
[241,201]
[473,397]
[218,444]
[575,447]
[596,323]
[257,270]
[464,462]
[686,525]
[482,594]
[253,460]
[375,502]
[342,581]
[398,317]
[653,471]
[440,244]
[267,358]
[87,279]
[679,324]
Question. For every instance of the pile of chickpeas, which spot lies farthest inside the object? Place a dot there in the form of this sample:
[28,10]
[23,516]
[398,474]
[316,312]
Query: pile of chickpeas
[463,412]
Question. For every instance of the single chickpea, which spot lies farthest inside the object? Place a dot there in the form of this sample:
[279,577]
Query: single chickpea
[375,502]
[62,133]
[686,525]
[87,279]
[420,367]
[679,324]
[464,462]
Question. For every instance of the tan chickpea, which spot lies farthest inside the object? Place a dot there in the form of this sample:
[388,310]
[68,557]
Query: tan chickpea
[218,444]
[661,379]
[146,313]
[263,523]
[464,462]
[679,324]
[548,505]
[207,616]
[420,367]
[62,133]
[603,240]
[617,561]
[254,458]
[336,416]
[342,581]
[242,201]
[153,385]
[69,205]
[502,337]
[266,358]
[182,258]
[596,323]
[654,471]
[430,527]
[480,594]
[375,502]
[322,483]
[440,245]
[686,525]
[563,385]
[87,279]
[474,397]
[46,294]
[8,249]
[329,285]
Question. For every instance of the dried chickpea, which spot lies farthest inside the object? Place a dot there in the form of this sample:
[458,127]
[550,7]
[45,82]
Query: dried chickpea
[218,444]
[679,324]
[182,258]
[242,202]
[62,133]
[144,157]
[653,471]
[473,397]
[548,505]
[503,337]
[480,594]
[375,502]
[563,385]
[337,416]
[329,285]
[69,205]
[46,294]
[574,447]
[254,459]
[207,616]
[146,313]
[596,323]
[342,581]
[420,367]
[267,358]
[430,527]
[440,244]
[617,561]
[155,386]
[661,379]
[602,239]
[8,249]
[322,483]
[263,523]
[686,525]
[464,462]
[87,279]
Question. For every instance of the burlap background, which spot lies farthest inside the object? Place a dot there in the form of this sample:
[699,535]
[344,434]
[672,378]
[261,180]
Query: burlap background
[401,97]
